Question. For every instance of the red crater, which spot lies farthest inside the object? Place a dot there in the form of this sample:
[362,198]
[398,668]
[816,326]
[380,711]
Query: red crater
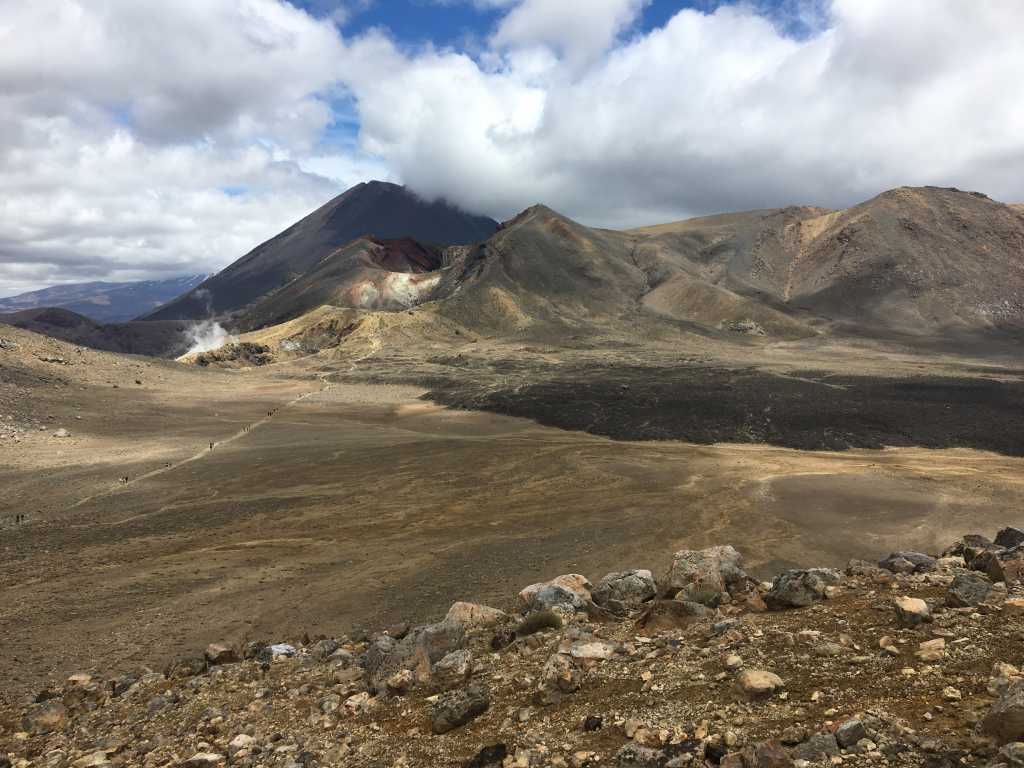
[404,255]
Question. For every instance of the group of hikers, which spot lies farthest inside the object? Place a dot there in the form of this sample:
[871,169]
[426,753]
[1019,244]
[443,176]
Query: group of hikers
[123,480]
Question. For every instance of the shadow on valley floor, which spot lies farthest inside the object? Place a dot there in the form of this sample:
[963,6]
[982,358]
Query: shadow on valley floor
[809,410]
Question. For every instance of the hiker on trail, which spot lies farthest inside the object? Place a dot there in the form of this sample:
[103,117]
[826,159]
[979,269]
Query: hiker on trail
[211,446]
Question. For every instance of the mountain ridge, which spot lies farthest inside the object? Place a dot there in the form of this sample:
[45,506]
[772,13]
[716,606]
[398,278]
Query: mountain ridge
[104,301]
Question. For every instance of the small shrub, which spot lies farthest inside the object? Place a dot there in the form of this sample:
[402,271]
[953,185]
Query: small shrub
[538,621]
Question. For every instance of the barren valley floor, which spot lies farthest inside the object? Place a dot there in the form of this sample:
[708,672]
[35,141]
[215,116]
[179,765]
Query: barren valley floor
[359,505]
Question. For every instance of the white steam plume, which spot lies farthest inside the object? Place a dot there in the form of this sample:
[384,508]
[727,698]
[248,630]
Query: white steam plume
[208,335]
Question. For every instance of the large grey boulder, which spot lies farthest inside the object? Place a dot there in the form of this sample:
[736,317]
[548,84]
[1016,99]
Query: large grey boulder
[908,562]
[453,670]
[48,717]
[849,732]
[969,546]
[440,639]
[1005,565]
[475,616]
[911,611]
[1005,720]
[570,590]
[418,651]
[456,708]
[624,590]
[800,588]
[561,674]
[221,653]
[821,746]
[702,575]
[1010,538]
[968,589]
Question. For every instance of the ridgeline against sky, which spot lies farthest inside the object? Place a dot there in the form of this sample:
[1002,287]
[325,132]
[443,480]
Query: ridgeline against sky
[142,139]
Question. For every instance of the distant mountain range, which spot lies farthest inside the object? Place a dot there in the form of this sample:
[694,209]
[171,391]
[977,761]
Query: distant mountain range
[912,263]
[918,264]
[105,302]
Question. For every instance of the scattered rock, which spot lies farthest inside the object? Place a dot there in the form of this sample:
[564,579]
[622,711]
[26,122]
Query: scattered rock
[931,650]
[561,675]
[1014,607]
[592,649]
[968,589]
[1010,538]
[1005,720]
[702,575]
[1003,676]
[186,666]
[907,562]
[46,717]
[800,588]
[625,590]
[968,547]
[240,742]
[571,590]
[455,708]
[651,677]
[759,683]
[440,639]
[493,755]
[203,760]
[849,732]
[1012,754]
[474,616]
[912,611]
[221,653]
[821,745]
[765,754]
[323,649]
[400,683]
[1006,565]
[453,670]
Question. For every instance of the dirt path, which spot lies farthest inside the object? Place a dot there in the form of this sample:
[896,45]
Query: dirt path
[170,467]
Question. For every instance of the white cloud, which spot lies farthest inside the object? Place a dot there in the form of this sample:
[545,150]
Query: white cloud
[715,111]
[577,31]
[123,122]
[127,127]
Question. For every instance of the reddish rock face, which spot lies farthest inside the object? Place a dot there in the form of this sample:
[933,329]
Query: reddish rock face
[405,255]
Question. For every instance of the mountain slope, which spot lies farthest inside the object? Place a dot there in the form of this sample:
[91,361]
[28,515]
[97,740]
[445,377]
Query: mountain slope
[105,302]
[366,273]
[546,275]
[168,338]
[384,210]
[918,261]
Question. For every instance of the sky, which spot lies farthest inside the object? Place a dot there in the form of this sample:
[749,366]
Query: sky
[142,139]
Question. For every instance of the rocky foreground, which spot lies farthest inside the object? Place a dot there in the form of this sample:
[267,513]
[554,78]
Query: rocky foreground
[914,661]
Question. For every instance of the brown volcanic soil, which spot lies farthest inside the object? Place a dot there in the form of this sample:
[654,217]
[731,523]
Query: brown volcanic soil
[358,503]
